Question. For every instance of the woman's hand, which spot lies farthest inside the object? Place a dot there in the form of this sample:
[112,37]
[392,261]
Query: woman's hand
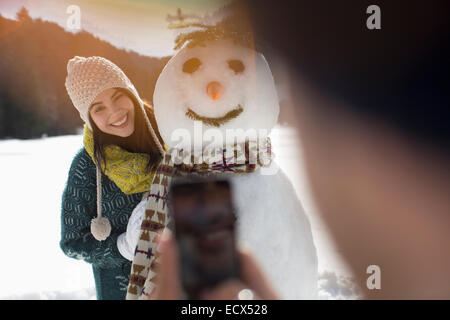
[252,284]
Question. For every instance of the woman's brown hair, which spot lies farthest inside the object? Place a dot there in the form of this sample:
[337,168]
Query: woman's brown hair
[140,141]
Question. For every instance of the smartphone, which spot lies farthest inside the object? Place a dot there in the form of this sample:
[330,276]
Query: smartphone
[204,226]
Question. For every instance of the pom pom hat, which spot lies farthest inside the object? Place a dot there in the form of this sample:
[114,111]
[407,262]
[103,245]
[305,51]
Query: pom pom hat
[86,78]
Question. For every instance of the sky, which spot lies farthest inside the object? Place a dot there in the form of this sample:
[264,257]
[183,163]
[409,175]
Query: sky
[138,25]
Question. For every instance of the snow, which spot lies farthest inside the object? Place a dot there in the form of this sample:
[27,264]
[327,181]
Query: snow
[33,175]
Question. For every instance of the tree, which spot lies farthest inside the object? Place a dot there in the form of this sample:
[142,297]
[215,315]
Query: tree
[23,15]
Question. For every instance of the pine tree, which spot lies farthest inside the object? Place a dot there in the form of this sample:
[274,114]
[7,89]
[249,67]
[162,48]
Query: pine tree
[23,15]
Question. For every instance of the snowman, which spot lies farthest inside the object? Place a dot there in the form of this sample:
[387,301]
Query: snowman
[204,93]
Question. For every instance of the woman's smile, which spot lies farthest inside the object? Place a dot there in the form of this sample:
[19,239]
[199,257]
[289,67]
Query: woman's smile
[122,123]
[113,112]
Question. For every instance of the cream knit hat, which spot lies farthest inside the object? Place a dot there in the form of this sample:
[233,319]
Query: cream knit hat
[86,78]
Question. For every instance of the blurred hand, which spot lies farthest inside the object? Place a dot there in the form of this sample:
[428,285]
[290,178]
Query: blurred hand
[168,285]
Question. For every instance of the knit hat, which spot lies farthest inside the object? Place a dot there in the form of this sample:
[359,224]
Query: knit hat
[86,78]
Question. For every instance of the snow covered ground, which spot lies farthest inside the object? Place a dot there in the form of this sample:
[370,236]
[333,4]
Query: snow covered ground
[32,177]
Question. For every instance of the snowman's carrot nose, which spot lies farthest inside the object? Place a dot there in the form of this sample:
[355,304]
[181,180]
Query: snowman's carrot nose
[214,90]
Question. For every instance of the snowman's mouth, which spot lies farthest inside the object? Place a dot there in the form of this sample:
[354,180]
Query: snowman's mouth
[216,122]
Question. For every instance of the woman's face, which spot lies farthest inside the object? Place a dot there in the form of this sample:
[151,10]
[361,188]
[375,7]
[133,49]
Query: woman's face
[113,112]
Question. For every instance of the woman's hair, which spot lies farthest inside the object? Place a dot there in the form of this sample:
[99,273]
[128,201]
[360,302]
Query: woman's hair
[140,141]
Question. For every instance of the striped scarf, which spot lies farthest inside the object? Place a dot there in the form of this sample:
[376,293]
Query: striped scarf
[240,159]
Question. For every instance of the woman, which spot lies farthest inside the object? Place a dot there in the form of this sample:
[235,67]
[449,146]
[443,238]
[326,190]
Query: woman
[107,178]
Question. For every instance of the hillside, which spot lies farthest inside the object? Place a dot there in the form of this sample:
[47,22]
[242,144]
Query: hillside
[33,58]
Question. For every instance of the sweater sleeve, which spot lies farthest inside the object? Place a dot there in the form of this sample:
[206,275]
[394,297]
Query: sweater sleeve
[78,209]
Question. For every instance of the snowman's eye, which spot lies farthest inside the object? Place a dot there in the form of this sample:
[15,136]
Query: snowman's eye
[191,65]
[236,65]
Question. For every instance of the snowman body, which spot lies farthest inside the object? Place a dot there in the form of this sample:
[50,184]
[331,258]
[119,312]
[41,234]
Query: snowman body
[274,227]
[226,87]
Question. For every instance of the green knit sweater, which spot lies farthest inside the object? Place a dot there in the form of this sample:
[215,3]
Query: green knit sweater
[111,270]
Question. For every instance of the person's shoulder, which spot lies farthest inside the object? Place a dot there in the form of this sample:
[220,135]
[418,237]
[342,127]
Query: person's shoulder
[82,160]
[82,172]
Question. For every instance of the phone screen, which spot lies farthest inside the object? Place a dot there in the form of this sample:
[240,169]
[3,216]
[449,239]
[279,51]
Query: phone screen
[204,220]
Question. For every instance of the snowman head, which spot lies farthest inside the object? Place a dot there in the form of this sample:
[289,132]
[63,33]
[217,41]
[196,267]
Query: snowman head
[219,86]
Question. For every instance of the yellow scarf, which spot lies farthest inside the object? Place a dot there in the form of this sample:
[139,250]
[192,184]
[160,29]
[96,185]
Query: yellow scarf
[126,169]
